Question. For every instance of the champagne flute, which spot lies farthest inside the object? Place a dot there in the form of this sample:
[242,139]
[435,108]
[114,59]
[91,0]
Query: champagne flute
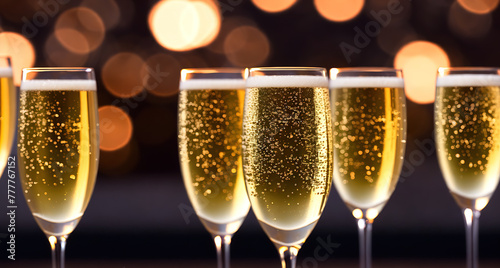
[467,116]
[287,157]
[8,111]
[58,148]
[210,122]
[369,135]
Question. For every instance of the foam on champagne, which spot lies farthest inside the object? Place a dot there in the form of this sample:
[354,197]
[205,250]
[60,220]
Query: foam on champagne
[367,82]
[468,80]
[287,81]
[59,84]
[6,72]
[219,84]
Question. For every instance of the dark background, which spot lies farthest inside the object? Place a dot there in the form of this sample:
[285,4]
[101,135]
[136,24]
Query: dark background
[139,210]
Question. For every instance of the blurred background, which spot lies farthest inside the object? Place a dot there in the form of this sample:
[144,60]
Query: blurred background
[140,211]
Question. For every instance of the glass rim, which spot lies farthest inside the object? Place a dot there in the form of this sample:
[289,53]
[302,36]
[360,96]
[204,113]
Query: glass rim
[465,69]
[286,68]
[366,69]
[186,72]
[213,70]
[58,69]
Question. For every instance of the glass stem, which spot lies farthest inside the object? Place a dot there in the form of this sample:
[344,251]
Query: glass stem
[288,256]
[222,243]
[58,246]
[365,242]
[472,222]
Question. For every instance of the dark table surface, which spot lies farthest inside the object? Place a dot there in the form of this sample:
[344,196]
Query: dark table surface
[253,263]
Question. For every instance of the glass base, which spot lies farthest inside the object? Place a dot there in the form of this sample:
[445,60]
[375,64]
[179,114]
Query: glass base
[56,228]
[222,228]
[288,238]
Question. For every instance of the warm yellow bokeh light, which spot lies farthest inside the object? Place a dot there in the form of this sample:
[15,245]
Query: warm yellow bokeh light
[420,61]
[20,50]
[121,74]
[182,25]
[115,128]
[479,6]
[357,213]
[339,10]
[273,5]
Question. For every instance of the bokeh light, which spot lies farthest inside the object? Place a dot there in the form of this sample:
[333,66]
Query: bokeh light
[57,55]
[161,74]
[467,24]
[20,50]
[420,61]
[274,5]
[339,10]
[108,11]
[77,25]
[479,6]
[247,46]
[115,128]
[121,74]
[153,125]
[230,23]
[182,25]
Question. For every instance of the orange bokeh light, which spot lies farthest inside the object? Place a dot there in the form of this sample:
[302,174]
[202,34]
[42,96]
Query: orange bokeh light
[467,24]
[108,10]
[20,50]
[77,25]
[161,74]
[420,61]
[115,128]
[479,6]
[57,55]
[182,25]
[121,74]
[246,46]
[273,6]
[339,10]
